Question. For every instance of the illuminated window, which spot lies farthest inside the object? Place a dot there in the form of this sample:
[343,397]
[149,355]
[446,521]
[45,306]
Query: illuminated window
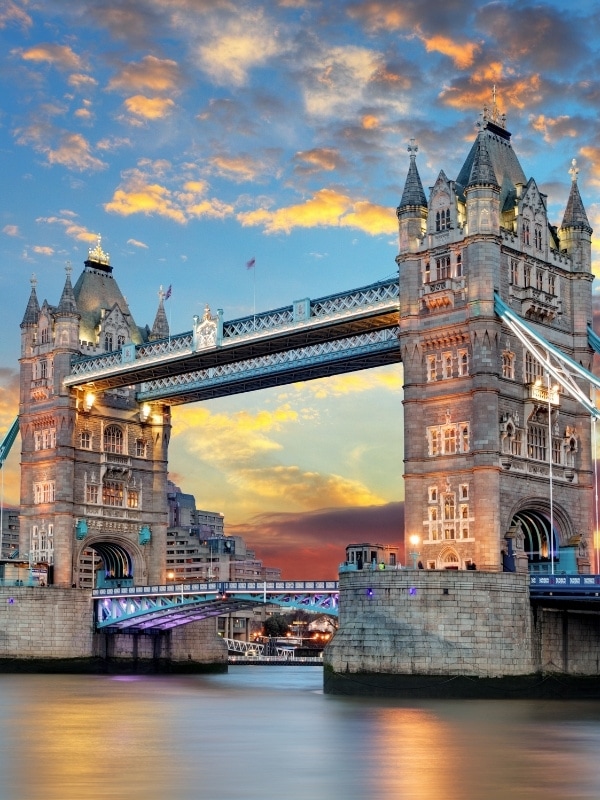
[508,365]
[447,365]
[463,363]
[442,219]
[516,442]
[450,440]
[86,440]
[533,368]
[133,498]
[431,369]
[91,494]
[433,494]
[112,493]
[113,439]
[442,268]
[140,448]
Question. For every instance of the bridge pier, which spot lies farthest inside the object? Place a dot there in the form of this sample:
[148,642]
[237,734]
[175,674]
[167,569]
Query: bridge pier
[439,633]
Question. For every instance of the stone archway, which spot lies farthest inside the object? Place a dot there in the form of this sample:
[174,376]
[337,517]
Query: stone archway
[106,562]
[542,538]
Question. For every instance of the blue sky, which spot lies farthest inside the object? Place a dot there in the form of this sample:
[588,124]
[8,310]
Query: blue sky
[194,135]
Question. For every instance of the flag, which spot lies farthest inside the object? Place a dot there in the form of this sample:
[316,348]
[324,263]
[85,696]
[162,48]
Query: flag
[250,264]
[168,293]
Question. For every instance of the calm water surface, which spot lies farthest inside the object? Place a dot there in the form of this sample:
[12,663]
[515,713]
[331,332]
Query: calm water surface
[269,733]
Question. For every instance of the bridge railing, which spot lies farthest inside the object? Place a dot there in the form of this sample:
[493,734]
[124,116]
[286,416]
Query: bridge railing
[569,585]
[220,587]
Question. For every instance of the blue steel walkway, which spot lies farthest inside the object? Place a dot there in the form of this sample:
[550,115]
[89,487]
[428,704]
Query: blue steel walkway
[146,609]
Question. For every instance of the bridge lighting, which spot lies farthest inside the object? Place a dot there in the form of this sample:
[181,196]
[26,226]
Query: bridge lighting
[369,592]
[414,552]
[88,401]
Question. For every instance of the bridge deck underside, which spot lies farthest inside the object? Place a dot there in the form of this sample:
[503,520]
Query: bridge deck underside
[251,347]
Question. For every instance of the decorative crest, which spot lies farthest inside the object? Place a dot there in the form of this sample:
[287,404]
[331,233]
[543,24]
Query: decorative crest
[97,254]
[574,171]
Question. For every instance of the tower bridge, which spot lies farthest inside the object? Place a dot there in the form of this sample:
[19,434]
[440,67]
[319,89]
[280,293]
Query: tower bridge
[490,315]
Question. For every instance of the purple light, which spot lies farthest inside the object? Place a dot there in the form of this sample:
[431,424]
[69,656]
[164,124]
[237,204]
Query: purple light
[413,590]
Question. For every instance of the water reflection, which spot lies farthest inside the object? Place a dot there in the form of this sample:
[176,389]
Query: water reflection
[265,733]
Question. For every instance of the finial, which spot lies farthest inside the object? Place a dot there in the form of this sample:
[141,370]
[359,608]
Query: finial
[493,114]
[161,294]
[68,269]
[33,280]
[574,170]
[413,148]
[207,314]
[97,254]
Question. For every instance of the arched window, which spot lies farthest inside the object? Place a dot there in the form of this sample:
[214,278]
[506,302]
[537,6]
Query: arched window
[113,439]
[108,342]
[86,440]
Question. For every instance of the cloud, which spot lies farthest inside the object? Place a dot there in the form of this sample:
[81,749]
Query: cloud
[58,55]
[230,46]
[150,74]
[327,208]
[80,81]
[42,250]
[462,53]
[11,230]
[149,107]
[318,159]
[135,243]
[72,228]
[71,150]
[11,13]
[554,128]
[312,545]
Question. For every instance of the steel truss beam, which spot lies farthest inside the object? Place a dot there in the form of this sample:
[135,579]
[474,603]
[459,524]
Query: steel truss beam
[159,608]
[563,369]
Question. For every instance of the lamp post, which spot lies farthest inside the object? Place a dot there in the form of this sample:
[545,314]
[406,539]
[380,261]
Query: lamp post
[414,552]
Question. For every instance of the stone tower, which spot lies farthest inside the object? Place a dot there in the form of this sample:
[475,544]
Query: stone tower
[93,468]
[482,420]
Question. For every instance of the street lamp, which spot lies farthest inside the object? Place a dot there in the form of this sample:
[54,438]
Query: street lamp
[414,552]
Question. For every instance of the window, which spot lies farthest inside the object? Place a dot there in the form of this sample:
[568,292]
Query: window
[434,442]
[91,494]
[516,442]
[508,365]
[536,442]
[433,494]
[514,271]
[133,498]
[44,439]
[44,492]
[450,440]
[525,232]
[427,273]
[459,266]
[533,368]
[113,439]
[447,365]
[442,219]
[464,491]
[539,279]
[442,268]
[43,368]
[527,273]
[86,440]
[551,283]
[112,494]
[120,340]
[464,439]
[431,369]
[449,509]
[463,363]
[140,448]
[537,237]
[44,335]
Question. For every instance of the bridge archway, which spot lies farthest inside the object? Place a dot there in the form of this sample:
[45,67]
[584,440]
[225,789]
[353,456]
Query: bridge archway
[542,537]
[112,561]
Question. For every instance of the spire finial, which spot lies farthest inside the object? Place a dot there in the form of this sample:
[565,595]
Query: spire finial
[161,293]
[574,170]
[68,269]
[413,148]
[33,280]
[492,114]
[97,254]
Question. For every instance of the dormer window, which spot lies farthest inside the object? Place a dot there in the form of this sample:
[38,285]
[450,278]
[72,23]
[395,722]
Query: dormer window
[442,219]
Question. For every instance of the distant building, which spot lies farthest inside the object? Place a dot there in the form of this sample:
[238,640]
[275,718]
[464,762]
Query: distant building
[365,555]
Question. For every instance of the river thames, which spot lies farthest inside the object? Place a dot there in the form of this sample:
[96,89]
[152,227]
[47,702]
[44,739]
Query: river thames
[269,733]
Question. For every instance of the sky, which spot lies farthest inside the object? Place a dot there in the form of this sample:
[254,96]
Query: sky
[195,135]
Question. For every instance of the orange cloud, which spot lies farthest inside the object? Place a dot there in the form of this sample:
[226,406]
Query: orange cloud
[72,228]
[370,122]
[80,81]
[327,208]
[156,74]
[149,107]
[462,53]
[11,13]
[136,243]
[553,127]
[42,250]
[72,152]
[58,55]
[145,198]
[239,169]
[11,230]
[320,158]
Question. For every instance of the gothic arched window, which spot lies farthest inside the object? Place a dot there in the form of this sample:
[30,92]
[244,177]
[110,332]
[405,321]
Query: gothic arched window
[113,439]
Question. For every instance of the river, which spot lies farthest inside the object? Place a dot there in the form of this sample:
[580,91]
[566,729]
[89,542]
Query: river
[269,733]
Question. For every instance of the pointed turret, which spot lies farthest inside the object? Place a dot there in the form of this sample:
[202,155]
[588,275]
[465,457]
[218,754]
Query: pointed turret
[67,305]
[32,312]
[160,329]
[412,211]
[482,170]
[576,232]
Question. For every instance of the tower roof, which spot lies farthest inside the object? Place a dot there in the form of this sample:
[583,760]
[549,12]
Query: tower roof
[482,171]
[413,194]
[160,329]
[67,304]
[575,216]
[501,158]
[32,312]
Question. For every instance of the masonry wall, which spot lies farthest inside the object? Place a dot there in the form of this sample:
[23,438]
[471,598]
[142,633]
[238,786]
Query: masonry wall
[433,622]
[52,629]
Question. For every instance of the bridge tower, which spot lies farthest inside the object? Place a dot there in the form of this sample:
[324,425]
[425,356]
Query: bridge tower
[498,469]
[93,467]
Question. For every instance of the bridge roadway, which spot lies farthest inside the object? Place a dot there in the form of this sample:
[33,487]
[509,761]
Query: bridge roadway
[339,333]
[148,609]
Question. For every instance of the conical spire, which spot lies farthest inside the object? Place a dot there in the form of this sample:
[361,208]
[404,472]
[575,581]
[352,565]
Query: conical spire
[482,171]
[32,312]
[575,216]
[413,194]
[160,329]
[67,304]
